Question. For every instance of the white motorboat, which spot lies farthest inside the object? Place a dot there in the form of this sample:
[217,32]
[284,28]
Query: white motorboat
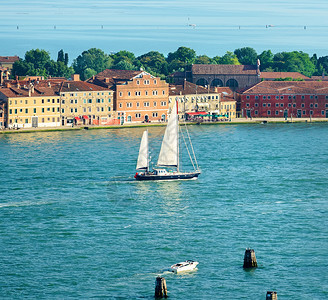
[188,265]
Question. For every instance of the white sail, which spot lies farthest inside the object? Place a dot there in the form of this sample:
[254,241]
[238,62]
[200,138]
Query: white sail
[143,159]
[169,154]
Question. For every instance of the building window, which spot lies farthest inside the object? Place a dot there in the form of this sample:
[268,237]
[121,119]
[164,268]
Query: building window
[129,94]
[146,104]
[138,104]
[138,93]
[155,114]
[89,100]
[163,92]
[264,97]
[269,97]
[247,97]
[281,105]
[269,112]
[289,104]
[138,82]
[120,94]
[311,97]
[146,93]
[146,81]
[138,115]
[15,111]
[311,112]
[34,110]
[264,104]
[277,104]
[277,112]
[255,112]
[155,81]
[303,105]
[109,108]
[256,97]
[303,97]
[304,112]
[269,104]
[294,104]
[154,93]
[120,105]
[289,97]
[129,104]
[281,97]
[277,97]
[63,110]
[247,104]
[316,105]
[43,109]
[316,97]
[311,104]
[323,112]
[163,103]
[155,103]
[256,104]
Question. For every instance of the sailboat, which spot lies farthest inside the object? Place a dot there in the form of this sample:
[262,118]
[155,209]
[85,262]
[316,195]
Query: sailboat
[168,156]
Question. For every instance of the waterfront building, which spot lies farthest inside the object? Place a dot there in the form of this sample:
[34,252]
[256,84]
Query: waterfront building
[228,105]
[193,100]
[233,76]
[138,95]
[30,105]
[285,99]
[3,114]
[83,103]
[8,61]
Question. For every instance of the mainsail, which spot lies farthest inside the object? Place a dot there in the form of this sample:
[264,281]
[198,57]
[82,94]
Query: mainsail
[169,154]
[143,158]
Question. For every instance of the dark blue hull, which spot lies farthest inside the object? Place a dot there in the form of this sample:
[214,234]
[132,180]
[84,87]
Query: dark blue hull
[181,176]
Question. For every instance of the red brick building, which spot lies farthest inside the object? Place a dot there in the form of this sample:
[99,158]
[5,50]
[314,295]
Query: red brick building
[282,99]
[138,96]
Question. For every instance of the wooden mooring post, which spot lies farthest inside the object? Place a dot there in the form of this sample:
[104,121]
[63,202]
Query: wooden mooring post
[160,287]
[250,259]
[271,296]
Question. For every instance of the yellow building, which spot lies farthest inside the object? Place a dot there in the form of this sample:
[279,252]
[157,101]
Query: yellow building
[84,103]
[227,103]
[193,100]
[31,105]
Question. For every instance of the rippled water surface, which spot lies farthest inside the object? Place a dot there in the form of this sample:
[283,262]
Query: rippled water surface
[74,223]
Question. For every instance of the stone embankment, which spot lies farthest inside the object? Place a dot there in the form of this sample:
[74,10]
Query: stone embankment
[133,125]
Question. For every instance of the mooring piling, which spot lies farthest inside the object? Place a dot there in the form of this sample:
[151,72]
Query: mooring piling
[250,259]
[160,287]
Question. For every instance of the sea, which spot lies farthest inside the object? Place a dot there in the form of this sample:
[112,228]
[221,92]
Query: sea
[75,224]
[210,27]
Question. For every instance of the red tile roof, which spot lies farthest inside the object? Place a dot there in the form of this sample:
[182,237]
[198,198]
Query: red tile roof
[289,87]
[275,75]
[8,59]
[79,86]
[224,69]
[187,88]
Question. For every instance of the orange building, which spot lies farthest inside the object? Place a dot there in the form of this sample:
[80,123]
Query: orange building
[138,96]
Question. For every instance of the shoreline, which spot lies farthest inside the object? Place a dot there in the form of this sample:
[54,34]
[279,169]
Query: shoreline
[138,125]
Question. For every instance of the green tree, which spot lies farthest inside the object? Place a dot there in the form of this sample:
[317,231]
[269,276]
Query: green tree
[246,56]
[183,54]
[38,58]
[22,68]
[229,59]
[94,59]
[152,61]
[123,55]
[295,61]
[60,56]
[266,59]
[203,60]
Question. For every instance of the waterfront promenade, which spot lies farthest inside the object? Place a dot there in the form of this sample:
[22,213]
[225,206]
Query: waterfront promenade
[132,125]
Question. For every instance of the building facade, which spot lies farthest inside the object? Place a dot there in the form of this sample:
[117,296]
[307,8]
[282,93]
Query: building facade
[31,106]
[285,99]
[193,100]
[138,96]
[84,103]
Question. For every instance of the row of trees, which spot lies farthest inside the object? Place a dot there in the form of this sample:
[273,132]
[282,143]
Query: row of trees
[93,61]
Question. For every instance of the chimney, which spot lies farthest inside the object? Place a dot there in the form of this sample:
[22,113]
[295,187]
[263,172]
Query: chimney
[32,88]
[49,84]
[107,80]
[75,77]
[68,85]
[1,77]
[7,74]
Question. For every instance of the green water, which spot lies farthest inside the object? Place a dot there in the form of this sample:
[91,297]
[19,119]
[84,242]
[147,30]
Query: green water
[75,224]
